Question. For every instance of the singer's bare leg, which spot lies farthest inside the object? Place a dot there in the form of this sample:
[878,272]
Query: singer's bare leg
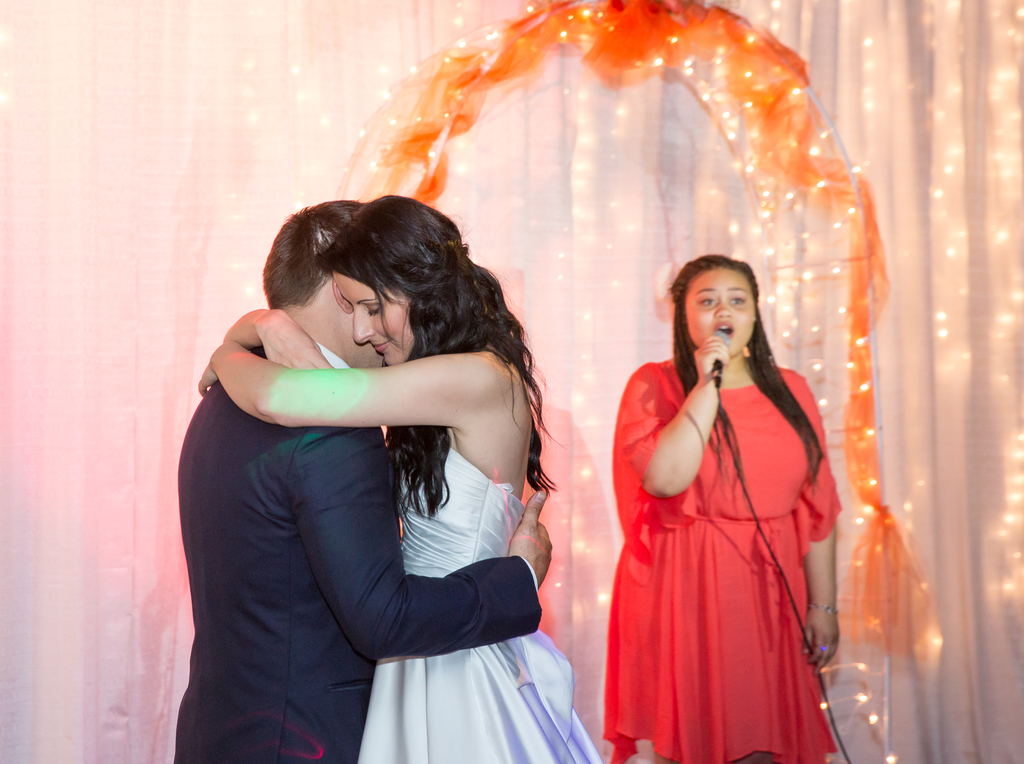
[757,757]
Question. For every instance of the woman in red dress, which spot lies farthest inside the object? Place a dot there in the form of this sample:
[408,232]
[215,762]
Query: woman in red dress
[705,654]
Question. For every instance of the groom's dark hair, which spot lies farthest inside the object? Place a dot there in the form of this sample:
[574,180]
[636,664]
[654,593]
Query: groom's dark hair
[293,274]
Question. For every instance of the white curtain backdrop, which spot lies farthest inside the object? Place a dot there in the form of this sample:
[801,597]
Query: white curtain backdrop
[150,150]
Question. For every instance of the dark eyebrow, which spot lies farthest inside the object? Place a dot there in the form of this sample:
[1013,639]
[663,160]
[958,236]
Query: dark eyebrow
[368,299]
[730,289]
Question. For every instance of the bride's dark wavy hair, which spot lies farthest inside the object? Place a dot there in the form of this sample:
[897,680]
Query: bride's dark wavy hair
[403,249]
[761,363]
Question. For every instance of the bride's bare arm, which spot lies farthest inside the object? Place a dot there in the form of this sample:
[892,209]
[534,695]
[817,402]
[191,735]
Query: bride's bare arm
[283,341]
[448,390]
[244,331]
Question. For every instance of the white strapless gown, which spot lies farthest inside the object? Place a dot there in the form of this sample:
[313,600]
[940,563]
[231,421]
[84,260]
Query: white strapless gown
[509,703]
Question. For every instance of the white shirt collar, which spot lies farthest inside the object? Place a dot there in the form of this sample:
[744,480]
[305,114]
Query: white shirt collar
[332,358]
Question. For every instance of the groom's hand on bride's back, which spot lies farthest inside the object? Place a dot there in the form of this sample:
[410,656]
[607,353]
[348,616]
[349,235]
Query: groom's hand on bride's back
[530,541]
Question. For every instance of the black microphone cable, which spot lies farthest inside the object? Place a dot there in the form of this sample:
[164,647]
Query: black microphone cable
[785,581]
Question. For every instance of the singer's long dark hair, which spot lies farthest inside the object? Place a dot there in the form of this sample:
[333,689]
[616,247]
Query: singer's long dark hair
[403,249]
[761,363]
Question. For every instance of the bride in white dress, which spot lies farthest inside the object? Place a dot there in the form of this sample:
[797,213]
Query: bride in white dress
[463,412]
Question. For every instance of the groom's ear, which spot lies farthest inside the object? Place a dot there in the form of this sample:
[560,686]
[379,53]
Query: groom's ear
[344,304]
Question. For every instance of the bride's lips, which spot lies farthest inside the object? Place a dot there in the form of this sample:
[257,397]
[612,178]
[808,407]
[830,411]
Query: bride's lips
[381,348]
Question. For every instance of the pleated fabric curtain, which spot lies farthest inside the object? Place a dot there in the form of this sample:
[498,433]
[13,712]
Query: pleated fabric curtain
[149,151]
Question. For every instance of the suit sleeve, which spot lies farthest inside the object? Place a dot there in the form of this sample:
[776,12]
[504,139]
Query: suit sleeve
[341,492]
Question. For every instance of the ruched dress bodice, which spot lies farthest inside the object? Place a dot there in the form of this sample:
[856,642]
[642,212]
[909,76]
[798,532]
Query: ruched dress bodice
[476,524]
[507,703]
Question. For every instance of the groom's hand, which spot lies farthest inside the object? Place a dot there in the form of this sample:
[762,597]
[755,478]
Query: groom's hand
[530,541]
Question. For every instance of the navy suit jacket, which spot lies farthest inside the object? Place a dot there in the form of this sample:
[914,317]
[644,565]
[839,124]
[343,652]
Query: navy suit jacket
[297,584]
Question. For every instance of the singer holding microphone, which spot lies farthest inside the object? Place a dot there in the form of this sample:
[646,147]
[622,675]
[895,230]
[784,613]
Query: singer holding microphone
[705,653]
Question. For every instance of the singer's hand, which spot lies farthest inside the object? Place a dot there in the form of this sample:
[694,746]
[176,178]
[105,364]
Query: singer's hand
[714,348]
[822,632]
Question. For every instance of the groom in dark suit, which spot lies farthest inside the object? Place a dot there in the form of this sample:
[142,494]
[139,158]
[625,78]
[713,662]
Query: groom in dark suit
[292,544]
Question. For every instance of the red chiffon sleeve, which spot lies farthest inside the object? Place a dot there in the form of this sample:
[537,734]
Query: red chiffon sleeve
[651,399]
[818,505]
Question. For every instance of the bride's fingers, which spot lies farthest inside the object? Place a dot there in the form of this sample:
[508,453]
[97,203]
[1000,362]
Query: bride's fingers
[207,380]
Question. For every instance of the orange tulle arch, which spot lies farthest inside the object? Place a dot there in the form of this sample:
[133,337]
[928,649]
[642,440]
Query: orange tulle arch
[737,72]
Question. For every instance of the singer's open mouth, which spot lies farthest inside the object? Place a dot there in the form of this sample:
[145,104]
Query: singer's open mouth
[725,328]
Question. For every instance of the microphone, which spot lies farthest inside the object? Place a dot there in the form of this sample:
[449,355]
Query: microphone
[716,368]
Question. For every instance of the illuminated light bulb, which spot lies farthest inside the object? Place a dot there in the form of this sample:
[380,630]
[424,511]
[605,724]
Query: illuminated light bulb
[842,310]
[431,154]
[948,169]
[688,62]
[943,332]
[859,521]
[563,34]
[823,705]
[835,270]
[872,432]
[766,214]
[861,340]
[674,40]
[891,758]
[796,91]
[688,70]
[821,184]
[808,275]
[750,168]
[789,195]
[748,104]
[864,387]
[373,164]
[817,367]
[558,584]
[814,151]
[838,225]
[386,95]
[529,9]
[602,597]
[950,252]
[731,136]
[857,168]
[785,334]
[823,402]
[658,62]
[362,133]
[748,74]
[393,122]
[938,193]
[705,97]
[873,482]
[873,719]
[769,251]
[771,298]
[862,698]
[751,38]
[295,70]
[852,210]
[867,42]
[941,316]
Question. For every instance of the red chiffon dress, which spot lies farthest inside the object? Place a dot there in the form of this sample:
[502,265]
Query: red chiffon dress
[704,652]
